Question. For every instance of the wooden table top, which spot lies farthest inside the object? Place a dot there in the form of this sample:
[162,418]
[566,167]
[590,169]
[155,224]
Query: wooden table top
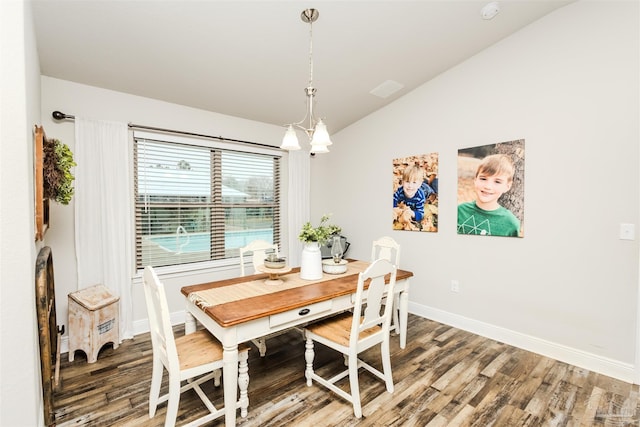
[244,310]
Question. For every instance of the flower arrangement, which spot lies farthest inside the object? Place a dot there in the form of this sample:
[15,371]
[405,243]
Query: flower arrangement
[57,164]
[319,234]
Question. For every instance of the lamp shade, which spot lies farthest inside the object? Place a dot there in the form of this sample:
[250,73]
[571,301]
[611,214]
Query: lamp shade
[318,149]
[321,135]
[290,140]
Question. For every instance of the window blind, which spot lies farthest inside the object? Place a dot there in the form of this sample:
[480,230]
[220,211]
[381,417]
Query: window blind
[199,203]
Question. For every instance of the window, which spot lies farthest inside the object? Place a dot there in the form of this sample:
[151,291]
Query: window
[202,202]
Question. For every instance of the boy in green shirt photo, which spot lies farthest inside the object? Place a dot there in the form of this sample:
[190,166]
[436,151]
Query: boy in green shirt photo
[485,216]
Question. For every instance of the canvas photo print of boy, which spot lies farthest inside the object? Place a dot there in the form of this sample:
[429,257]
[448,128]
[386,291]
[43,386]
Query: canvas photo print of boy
[491,190]
[415,193]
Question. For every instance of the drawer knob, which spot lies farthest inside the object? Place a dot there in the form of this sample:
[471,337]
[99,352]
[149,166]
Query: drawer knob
[304,311]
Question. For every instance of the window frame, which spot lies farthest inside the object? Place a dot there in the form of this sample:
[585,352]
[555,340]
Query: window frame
[211,143]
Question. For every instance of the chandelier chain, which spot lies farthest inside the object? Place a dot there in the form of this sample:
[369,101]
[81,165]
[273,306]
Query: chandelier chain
[311,53]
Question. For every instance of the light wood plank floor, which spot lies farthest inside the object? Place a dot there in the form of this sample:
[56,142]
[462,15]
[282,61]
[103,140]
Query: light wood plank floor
[444,377]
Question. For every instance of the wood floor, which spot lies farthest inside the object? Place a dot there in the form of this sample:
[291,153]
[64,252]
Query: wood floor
[444,377]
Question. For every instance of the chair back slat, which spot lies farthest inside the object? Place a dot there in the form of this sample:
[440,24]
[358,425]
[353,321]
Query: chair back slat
[372,314]
[162,338]
[259,250]
[386,248]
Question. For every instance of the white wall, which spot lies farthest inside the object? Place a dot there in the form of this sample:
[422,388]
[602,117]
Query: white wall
[87,101]
[568,85]
[20,384]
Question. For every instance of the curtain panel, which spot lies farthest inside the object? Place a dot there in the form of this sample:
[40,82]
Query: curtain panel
[299,185]
[103,211]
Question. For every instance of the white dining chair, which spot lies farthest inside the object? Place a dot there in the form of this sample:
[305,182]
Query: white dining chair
[194,358]
[387,248]
[351,333]
[259,249]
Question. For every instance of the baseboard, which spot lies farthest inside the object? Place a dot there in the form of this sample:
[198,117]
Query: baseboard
[602,365]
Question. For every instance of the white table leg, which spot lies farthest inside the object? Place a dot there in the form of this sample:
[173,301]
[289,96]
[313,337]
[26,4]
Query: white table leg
[243,383]
[189,322]
[230,379]
[404,316]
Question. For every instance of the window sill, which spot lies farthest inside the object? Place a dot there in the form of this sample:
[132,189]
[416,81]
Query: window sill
[184,271]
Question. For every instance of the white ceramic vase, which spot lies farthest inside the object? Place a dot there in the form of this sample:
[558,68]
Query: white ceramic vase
[311,262]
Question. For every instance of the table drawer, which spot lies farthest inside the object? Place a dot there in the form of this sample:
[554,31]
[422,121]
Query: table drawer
[299,313]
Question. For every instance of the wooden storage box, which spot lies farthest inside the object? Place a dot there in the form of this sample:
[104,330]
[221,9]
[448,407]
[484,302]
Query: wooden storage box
[93,321]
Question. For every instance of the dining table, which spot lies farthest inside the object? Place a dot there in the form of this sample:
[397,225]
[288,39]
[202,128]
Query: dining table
[240,309]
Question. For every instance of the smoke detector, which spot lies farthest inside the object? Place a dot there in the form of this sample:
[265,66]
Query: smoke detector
[490,10]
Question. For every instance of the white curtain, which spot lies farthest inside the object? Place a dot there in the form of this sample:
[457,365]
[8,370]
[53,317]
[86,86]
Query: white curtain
[103,211]
[299,186]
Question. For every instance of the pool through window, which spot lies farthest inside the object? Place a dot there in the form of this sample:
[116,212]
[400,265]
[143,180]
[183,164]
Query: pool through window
[198,203]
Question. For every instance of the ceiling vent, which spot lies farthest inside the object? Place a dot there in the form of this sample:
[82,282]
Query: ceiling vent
[386,89]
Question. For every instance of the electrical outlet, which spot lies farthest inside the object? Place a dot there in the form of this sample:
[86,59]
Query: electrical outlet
[455,286]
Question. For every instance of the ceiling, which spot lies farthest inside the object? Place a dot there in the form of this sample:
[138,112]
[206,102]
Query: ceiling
[250,59]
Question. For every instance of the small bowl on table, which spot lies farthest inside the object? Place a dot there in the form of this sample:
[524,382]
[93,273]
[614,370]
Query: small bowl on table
[275,263]
[329,266]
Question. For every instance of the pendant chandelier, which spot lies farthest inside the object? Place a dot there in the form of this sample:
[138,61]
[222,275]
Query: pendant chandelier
[315,129]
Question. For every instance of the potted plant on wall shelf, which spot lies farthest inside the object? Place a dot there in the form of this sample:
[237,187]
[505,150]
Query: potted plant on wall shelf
[313,238]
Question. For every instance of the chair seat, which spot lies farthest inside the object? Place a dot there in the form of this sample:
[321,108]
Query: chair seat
[338,329]
[200,348]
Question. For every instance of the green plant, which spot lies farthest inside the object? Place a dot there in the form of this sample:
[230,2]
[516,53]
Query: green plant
[319,234]
[57,164]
